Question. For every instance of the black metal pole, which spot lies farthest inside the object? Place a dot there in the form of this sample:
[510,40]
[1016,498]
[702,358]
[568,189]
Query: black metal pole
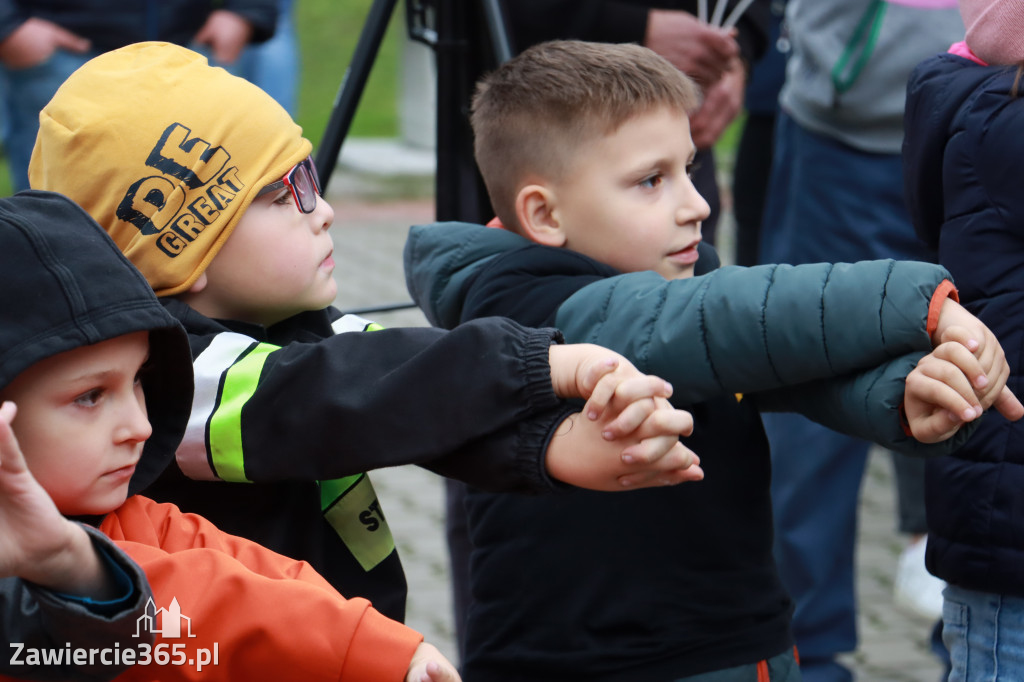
[496,28]
[463,54]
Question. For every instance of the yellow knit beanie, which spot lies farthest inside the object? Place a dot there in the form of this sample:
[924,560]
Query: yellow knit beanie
[165,152]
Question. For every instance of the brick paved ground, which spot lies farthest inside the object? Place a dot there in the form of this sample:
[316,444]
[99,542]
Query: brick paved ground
[369,239]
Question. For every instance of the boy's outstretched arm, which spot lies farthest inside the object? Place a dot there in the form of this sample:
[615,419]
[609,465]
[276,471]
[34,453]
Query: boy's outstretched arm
[429,665]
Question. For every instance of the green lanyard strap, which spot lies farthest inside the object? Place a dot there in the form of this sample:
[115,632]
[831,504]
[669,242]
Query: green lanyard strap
[870,25]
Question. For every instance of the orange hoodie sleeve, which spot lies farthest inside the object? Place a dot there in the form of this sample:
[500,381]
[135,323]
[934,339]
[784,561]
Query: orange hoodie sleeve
[265,616]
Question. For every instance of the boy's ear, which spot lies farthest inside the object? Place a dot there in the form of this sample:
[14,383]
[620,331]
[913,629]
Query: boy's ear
[535,209]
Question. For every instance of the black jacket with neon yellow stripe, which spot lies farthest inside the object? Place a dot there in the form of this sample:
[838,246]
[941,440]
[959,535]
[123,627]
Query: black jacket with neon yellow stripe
[281,414]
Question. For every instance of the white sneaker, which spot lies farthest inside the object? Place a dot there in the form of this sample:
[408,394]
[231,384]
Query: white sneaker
[916,590]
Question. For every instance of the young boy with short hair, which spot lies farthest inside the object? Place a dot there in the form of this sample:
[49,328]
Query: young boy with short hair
[207,185]
[586,152]
[95,388]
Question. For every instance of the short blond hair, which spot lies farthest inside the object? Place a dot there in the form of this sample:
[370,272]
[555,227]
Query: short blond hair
[532,113]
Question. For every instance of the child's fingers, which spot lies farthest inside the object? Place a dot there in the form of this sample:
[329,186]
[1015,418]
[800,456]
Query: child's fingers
[634,408]
[595,371]
[11,458]
[688,469]
[629,419]
[944,385]
[617,391]
[986,348]
[969,364]
[1008,405]
[658,452]
[961,335]
[935,427]
[668,423]
[665,478]
[435,672]
[599,382]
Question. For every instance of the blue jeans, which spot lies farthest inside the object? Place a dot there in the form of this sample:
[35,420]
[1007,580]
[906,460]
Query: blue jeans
[25,93]
[984,633]
[275,65]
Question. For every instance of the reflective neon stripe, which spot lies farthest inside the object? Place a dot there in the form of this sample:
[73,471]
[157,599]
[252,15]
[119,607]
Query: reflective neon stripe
[373,327]
[356,516]
[333,489]
[240,382]
[210,366]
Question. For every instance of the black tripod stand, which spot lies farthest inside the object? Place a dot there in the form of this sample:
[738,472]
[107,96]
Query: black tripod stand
[469,37]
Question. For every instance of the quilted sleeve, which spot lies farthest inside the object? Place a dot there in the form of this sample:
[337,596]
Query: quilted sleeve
[754,329]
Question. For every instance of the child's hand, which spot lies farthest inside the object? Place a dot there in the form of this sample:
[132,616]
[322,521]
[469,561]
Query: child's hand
[429,665]
[588,371]
[36,542]
[31,528]
[624,398]
[955,323]
[939,397]
[580,453]
[988,377]
[952,314]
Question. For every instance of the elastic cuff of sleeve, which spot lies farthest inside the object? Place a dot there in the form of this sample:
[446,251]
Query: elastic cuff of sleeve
[904,422]
[537,362]
[945,290]
[122,583]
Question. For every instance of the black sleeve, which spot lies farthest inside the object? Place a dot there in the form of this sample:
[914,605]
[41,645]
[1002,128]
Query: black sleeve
[365,400]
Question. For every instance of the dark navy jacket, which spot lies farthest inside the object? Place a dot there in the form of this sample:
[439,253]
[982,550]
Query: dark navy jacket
[962,153]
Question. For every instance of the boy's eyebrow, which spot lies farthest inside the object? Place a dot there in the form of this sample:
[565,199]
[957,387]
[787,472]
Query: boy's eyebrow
[106,373]
[88,377]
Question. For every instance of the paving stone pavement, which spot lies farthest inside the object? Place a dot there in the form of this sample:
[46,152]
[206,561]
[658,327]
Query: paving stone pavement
[369,237]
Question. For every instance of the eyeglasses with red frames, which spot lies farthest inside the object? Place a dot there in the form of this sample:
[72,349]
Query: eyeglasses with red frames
[303,182]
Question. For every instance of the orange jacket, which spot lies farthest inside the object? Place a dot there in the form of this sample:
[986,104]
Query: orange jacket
[264,616]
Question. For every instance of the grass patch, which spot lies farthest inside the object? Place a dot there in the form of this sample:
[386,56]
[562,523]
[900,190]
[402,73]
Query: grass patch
[328,33]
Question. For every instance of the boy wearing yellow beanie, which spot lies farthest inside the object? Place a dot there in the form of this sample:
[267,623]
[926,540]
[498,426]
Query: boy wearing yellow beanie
[206,184]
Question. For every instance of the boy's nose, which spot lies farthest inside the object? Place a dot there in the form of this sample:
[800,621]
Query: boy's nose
[692,207]
[134,425]
[323,214]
